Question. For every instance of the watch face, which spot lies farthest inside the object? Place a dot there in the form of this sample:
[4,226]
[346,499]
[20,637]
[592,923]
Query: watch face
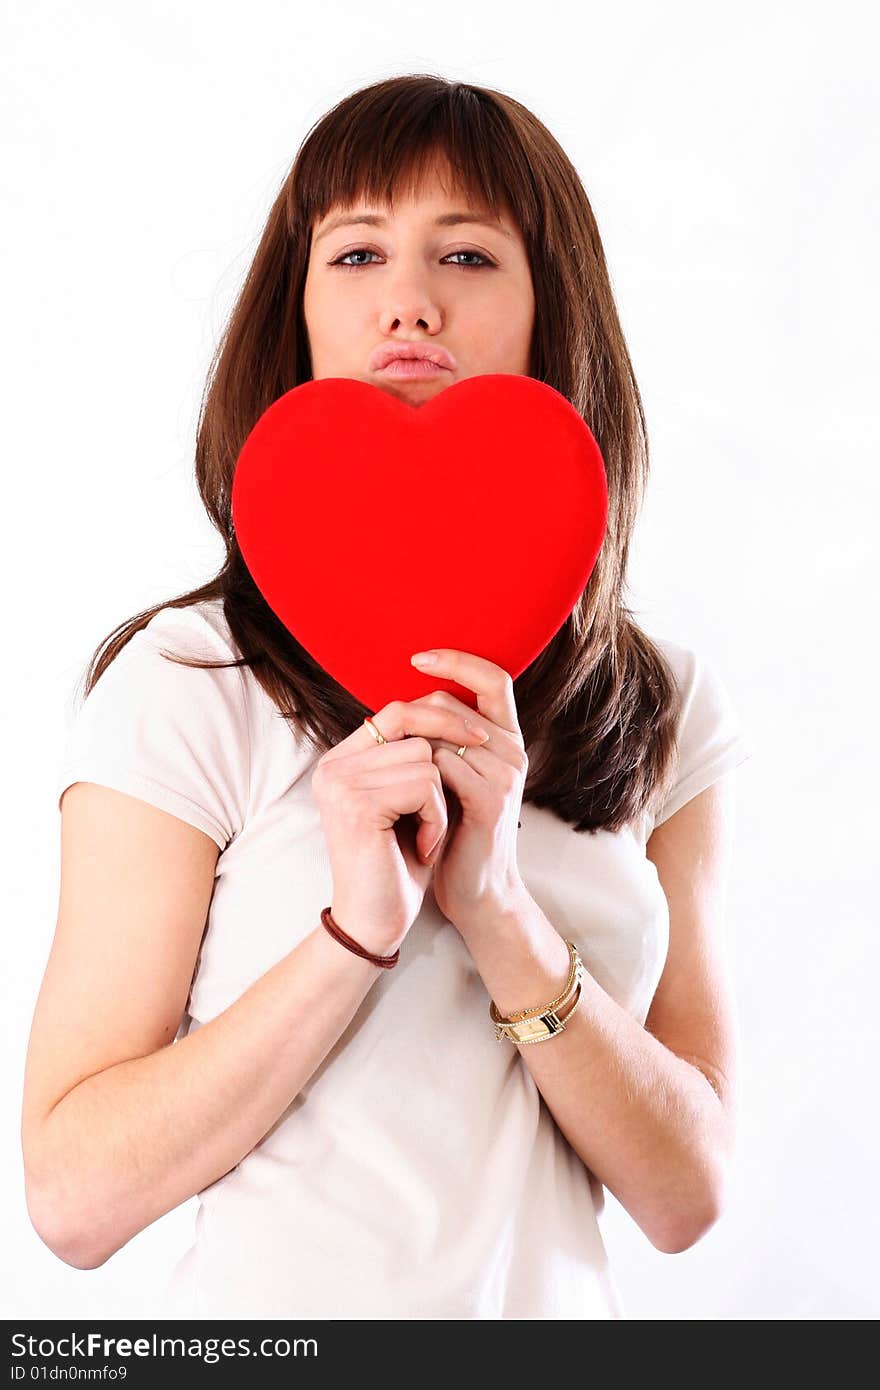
[543,1025]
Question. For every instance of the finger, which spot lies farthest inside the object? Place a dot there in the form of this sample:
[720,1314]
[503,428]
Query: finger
[483,758]
[402,790]
[374,776]
[445,700]
[403,719]
[498,737]
[467,782]
[429,808]
[491,683]
[456,785]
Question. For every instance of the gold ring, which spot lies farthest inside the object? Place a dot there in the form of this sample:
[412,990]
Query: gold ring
[460,751]
[374,730]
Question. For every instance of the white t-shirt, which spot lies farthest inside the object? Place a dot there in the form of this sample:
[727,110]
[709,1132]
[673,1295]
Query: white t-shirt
[418,1173]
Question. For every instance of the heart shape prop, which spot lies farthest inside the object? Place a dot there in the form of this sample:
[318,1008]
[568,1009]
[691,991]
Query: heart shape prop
[374,529]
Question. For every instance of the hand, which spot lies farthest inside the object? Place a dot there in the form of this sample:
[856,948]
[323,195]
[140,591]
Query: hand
[476,875]
[369,795]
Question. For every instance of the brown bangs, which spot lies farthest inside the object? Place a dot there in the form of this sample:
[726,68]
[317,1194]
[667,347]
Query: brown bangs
[393,139]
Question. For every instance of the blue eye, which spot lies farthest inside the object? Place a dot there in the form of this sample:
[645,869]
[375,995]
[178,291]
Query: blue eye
[481,258]
[365,251]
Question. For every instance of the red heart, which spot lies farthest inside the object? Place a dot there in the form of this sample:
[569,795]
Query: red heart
[374,529]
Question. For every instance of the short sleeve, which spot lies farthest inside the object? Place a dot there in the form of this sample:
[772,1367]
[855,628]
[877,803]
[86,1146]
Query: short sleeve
[711,736]
[175,736]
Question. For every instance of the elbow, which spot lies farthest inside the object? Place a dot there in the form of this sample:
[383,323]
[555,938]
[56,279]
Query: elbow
[74,1255]
[67,1239]
[691,1223]
[686,1234]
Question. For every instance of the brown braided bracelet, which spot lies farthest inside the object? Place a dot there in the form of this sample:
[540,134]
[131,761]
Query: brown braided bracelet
[386,962]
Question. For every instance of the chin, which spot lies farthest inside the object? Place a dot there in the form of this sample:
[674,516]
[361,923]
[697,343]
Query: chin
[415,393]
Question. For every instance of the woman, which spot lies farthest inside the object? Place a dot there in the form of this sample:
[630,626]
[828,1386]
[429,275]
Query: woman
[362,1143]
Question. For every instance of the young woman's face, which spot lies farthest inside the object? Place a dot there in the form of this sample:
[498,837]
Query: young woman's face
[465,287]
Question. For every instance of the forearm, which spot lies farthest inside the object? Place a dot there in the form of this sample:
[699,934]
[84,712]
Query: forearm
[134,1141]
[647,1123]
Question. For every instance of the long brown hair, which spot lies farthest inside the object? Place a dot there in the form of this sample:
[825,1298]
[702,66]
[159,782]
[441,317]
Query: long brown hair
[600,700]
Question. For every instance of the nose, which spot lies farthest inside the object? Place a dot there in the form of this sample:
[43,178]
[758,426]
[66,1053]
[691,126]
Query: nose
[397,318]
[408,303]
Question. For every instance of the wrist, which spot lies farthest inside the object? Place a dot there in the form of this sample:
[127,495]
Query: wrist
[383,943]
[497,911]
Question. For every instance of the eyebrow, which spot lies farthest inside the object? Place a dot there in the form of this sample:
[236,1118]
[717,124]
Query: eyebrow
[448,219]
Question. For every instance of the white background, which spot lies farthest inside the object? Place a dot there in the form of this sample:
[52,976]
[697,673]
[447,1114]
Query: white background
[730,157]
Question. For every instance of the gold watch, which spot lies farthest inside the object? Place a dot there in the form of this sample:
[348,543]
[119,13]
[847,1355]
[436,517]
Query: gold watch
[545,1020]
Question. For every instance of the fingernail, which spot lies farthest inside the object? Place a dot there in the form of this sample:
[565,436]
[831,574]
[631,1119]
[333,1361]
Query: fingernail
[424,659]
[477,729]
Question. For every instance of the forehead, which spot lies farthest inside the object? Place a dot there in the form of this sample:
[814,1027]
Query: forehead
[433,190]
